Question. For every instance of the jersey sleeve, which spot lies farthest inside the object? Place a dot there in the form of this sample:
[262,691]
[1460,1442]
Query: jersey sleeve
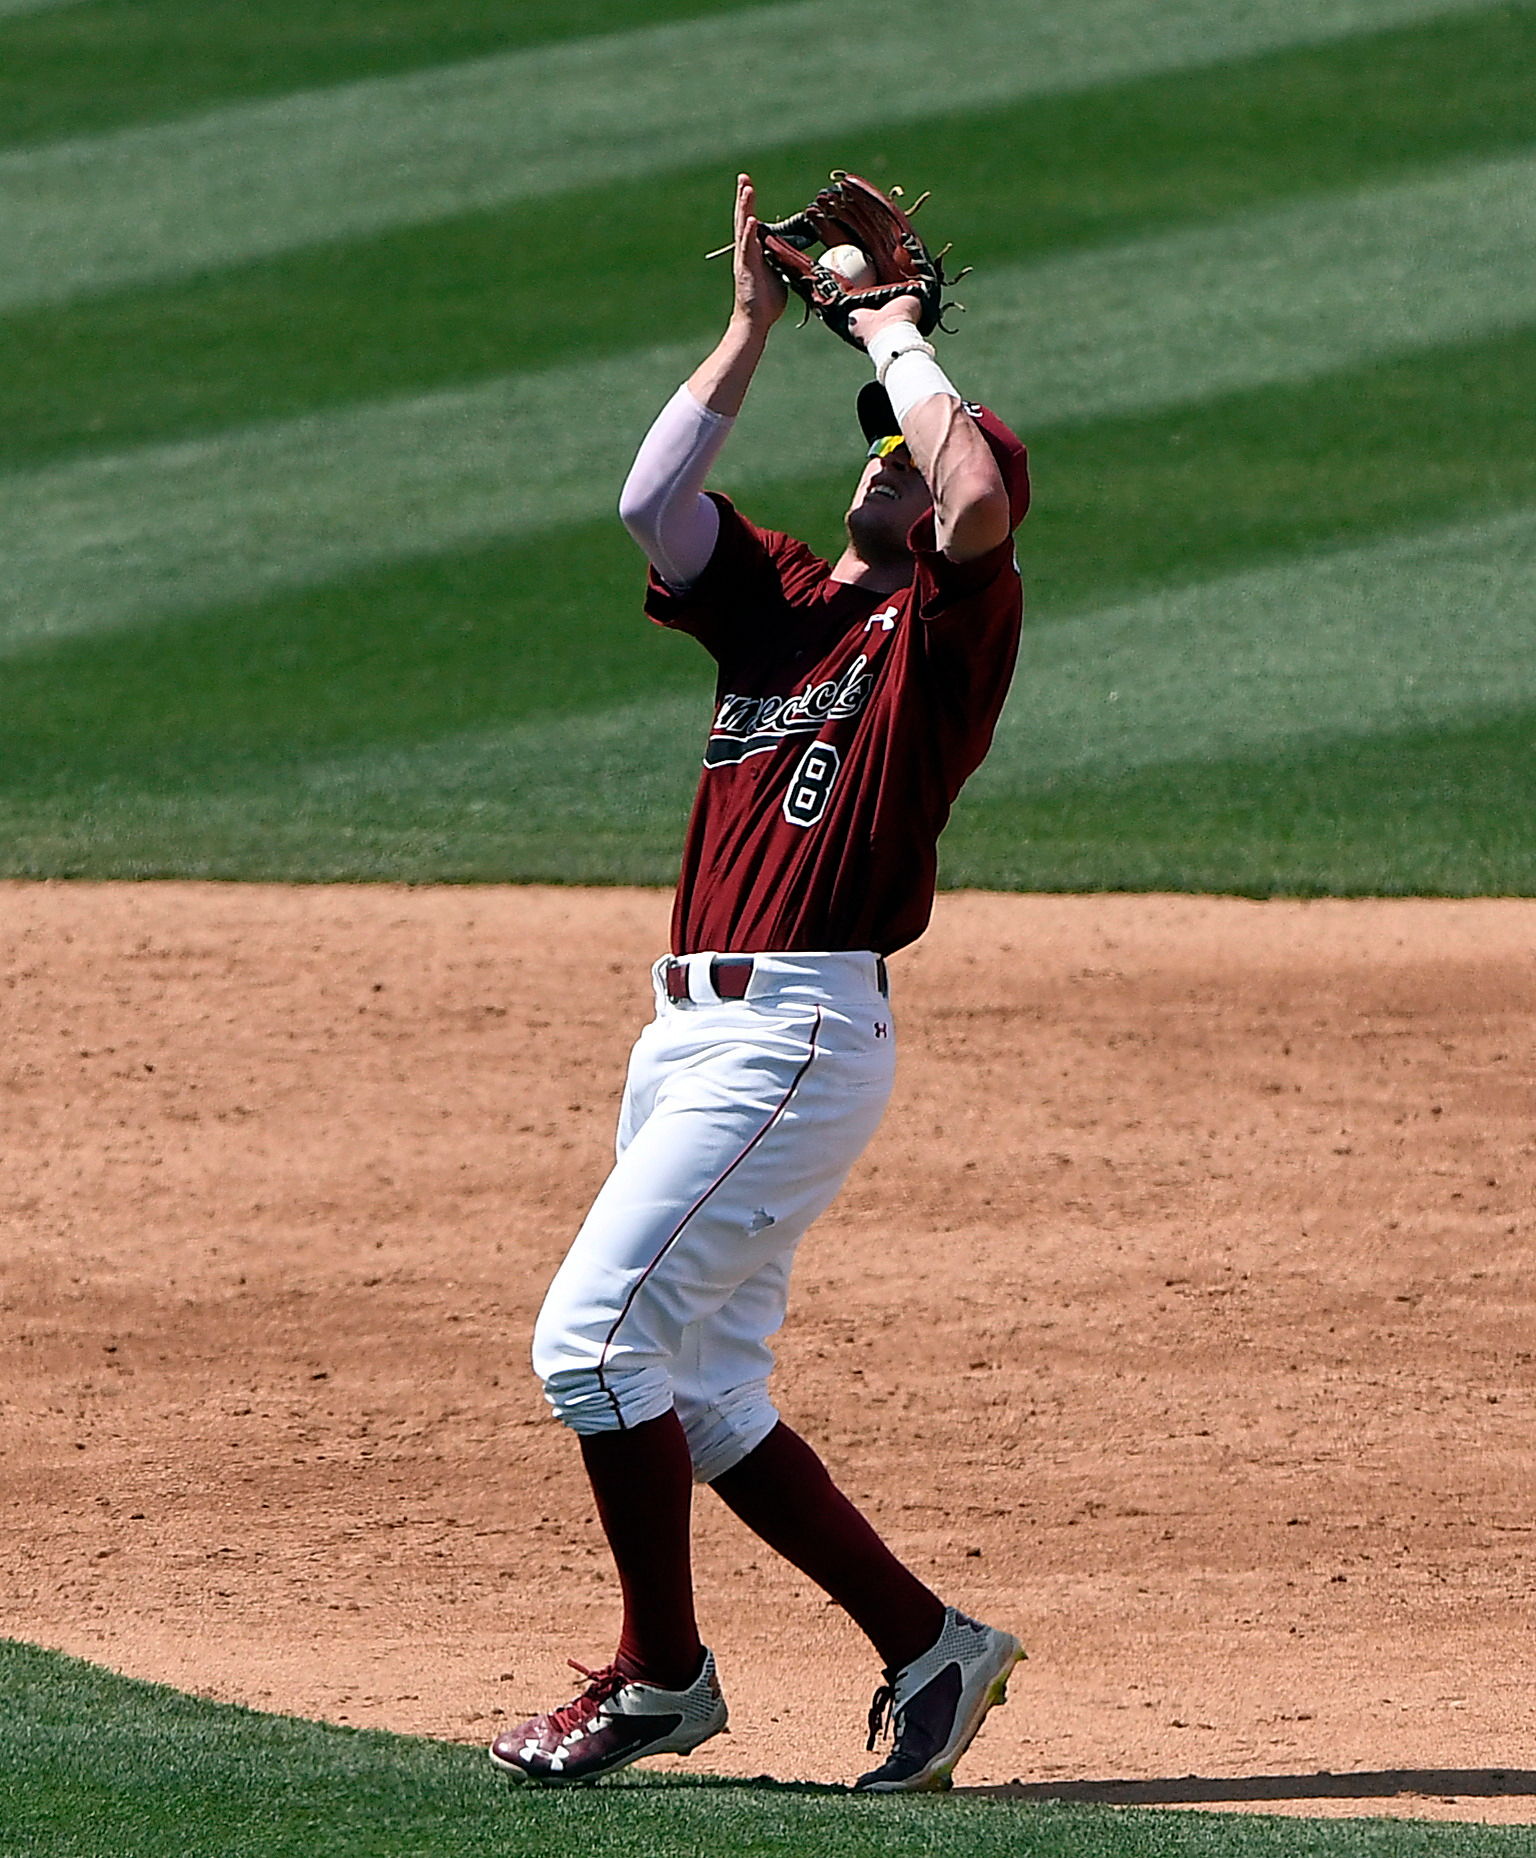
[967,591]
[753,578]
[971,614]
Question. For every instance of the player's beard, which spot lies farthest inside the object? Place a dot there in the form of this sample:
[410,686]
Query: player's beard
[878,534]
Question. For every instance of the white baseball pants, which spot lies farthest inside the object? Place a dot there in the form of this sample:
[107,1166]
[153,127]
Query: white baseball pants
[740,1121]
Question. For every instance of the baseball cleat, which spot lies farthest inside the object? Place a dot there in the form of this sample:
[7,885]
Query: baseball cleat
[936,1704]
[613,1722]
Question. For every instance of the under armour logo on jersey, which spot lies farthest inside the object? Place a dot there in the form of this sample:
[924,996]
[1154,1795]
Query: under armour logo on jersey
[885,621]
[882,1030]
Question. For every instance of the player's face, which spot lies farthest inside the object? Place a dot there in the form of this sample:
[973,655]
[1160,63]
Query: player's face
[891,495]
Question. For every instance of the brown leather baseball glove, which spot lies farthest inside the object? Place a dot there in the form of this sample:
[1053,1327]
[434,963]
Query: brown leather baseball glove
[852,211]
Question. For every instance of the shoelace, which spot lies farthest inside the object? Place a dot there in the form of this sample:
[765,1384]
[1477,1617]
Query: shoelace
[603,1684]
[881,1714]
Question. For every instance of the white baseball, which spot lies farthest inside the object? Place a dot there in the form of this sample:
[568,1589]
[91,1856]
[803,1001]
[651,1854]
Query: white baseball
[851,265]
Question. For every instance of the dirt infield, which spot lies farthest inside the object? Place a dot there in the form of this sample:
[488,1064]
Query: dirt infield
[1181,1317]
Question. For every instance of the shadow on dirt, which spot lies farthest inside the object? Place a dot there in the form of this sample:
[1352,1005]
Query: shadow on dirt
[1194,1789]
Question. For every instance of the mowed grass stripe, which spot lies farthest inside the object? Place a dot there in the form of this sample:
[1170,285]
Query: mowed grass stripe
[1278,670]
[1404,633]
[1271,296]
[444,645]
[1374,642]
[1161,322]
[109,63]
[1365,641]
[105,541]
[1128,505]
[98,214]
[403,655]
[414,309]
[1442,811]
[598,797]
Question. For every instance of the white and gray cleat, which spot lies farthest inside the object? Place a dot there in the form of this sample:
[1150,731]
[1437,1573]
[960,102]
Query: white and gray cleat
[935,1705]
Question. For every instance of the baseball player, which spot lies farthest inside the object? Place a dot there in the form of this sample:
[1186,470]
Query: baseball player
[853,701]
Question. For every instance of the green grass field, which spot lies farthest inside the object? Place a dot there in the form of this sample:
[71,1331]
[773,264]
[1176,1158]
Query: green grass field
[91,1763]
[330,329]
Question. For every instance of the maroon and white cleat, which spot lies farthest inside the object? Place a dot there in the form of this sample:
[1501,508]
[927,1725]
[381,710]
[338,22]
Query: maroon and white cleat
[613,1722]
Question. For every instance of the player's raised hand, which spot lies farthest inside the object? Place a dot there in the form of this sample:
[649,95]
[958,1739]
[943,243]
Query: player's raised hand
[864,323]
[760,295]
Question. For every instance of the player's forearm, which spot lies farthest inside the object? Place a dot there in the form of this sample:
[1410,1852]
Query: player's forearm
[970,501]
[721,380]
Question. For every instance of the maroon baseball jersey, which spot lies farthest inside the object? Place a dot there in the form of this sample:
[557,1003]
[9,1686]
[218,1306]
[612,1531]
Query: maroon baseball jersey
[845,724]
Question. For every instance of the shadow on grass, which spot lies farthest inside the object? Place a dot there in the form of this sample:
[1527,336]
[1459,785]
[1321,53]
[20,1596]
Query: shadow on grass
[705,1783]
[1195,1789]
[1167,1790]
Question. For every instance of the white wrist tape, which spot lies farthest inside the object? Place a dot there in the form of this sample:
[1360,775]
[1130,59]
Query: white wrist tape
[894,339]
[914,375]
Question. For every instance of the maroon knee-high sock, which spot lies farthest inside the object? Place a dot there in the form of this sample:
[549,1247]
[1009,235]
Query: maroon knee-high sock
[643,1482]
[782,1492]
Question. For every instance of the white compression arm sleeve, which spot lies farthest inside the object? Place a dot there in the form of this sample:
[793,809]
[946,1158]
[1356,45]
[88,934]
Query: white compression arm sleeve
[662,504]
